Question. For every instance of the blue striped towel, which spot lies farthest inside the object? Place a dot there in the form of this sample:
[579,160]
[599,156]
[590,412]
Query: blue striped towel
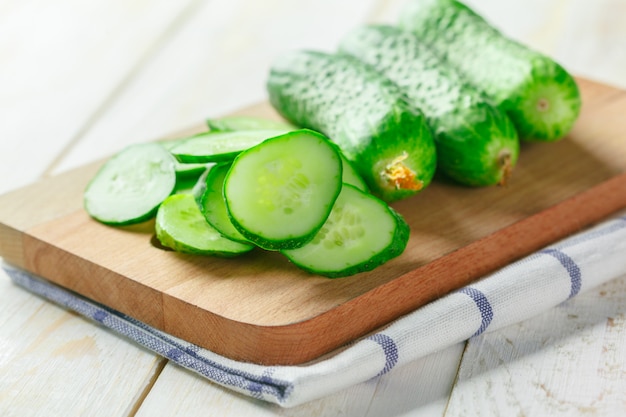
[514,293]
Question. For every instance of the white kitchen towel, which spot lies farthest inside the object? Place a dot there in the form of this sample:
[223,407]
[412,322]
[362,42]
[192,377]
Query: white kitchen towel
[514,293]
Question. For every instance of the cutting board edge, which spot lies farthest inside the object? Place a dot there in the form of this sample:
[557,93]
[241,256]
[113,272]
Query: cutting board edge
[298,342]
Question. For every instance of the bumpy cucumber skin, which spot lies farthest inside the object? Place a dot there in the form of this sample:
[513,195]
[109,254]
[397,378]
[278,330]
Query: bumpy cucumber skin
[477,144]
[519,80]
[396,246]
[166,231]
[363,112]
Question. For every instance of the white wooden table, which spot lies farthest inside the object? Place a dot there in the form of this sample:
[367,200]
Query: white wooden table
[79,80]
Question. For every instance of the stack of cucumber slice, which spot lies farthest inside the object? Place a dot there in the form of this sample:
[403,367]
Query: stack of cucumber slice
[291,191]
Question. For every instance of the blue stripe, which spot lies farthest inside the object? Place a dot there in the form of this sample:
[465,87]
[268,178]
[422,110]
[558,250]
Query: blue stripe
[483,305]
[389,348]
[572,269]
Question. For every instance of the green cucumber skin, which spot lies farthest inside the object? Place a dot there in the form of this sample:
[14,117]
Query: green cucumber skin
[210,194]
[238,123]
[168,233]
[361,111]
[396,246]
[235,123]
[514,76]
[187,150]
[477,144]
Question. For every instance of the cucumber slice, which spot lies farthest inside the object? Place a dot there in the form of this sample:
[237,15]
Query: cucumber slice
[234,123]
[350,176]
[280,192]
[184,171]
[189,171]
[213,206]
[181,226]
[237,123]
[219,146]
[199,186]
[361,233]
[131,185]
[185,185]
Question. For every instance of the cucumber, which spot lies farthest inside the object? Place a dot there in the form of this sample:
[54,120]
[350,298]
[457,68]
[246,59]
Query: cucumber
[361,233]
[181,226]
[350,175]
[386,138]
[212,204]
[184,171]
[539,95]
[477,144]
[280,192]
[234,123]
[219,146]
[237,123]
[131,185]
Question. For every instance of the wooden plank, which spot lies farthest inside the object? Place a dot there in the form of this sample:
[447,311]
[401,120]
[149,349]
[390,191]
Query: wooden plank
[61,62]
[568,361]
[56,363]
[419,388]
[56,79]
[262,309]
[216,64]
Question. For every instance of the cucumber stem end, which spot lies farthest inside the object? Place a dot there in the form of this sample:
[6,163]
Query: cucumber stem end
[400,176]
[543,105]
[506,167]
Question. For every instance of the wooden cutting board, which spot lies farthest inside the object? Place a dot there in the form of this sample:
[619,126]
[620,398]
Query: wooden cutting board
[262,309]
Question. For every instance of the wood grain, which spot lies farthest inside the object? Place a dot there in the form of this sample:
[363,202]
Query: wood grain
[262,309]
[543,367]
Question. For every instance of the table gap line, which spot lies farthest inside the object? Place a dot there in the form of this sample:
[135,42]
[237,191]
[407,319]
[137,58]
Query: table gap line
[160,365]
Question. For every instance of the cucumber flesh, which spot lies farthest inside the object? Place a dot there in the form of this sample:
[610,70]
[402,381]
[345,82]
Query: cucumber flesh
[219,146]
[237,123]
[361,233]
[280,192]
[234,123]
[213,206]
[131,185]
[181,226]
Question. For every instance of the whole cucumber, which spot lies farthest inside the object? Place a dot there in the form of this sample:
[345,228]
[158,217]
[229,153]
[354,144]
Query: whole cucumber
[387,139]
[477,144]
[539,95]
